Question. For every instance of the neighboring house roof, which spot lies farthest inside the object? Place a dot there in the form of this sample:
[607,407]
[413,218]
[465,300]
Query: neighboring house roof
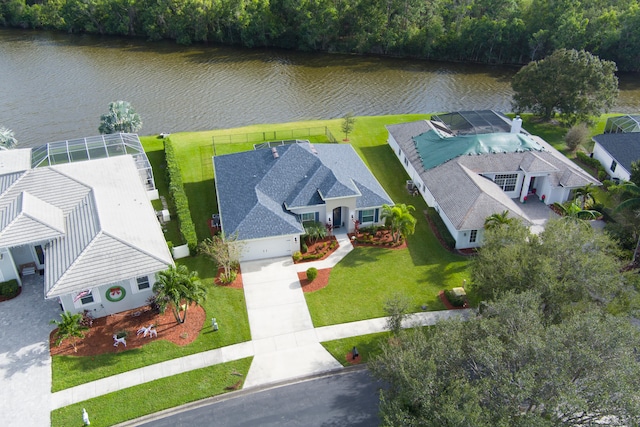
[623,147]
[257,189]
[102,228]
[435,149]
[463,194]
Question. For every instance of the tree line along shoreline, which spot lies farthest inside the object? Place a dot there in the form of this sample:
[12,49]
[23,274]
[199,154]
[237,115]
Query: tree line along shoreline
[506,32]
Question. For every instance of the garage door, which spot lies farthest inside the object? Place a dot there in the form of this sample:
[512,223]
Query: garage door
[266,248]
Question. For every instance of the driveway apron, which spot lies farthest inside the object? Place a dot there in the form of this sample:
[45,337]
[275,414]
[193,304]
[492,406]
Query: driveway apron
[285,342]
[25,365]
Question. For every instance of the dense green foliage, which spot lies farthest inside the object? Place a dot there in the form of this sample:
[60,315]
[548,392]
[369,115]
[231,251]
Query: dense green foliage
[179,197]
[511,367]
[501,31]
[574,83]
[69,327]
[7,139]
[9,288]
[312,273]
[121,118]
[178,288]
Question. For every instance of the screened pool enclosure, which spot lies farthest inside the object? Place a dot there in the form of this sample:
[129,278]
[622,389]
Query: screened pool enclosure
[95,147]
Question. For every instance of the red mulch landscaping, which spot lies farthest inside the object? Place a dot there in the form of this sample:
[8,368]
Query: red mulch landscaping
[320,281]
[447,304]
[382,239]
[236,284]
[319,247]
[351,360]
[99,338]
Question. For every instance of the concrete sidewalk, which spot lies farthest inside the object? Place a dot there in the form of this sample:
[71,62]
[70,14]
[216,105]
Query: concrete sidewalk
[285,345]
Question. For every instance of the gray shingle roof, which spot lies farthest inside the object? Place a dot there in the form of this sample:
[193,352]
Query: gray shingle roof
[467,198]
[255,190]
[624,147]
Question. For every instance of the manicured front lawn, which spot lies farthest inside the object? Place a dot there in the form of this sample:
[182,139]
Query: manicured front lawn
[154,396]
[225,304]
[368,346]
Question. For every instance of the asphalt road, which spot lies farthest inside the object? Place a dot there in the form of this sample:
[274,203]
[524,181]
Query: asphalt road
[342,399]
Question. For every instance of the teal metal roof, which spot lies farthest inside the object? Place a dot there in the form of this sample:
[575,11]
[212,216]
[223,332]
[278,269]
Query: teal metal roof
[435,150]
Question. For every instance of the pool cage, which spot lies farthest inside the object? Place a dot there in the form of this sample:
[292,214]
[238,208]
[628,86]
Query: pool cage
[474,122]
[95,147]
[622,124]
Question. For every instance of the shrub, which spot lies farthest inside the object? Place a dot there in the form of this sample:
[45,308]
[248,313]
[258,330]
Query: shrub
[312,273]
[179,197]
[576,136]
[333,244]
[228,278]
[304,248]
[442,228]
[455,300]
[297,256]
[9,289]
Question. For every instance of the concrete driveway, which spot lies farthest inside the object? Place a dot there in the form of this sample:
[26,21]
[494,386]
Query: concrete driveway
[25,365]
[285,342]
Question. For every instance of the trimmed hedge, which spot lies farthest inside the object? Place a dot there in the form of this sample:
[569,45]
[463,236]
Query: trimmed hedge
[442,228]
[179,197]
[9,289]
[592,163]
[312,273]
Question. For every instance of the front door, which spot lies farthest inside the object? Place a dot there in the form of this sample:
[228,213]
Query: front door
[337,217]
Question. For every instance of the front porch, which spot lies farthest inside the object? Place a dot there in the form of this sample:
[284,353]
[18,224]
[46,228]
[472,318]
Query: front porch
[537,212]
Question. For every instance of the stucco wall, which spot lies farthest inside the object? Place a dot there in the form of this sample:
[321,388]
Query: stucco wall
[605,159]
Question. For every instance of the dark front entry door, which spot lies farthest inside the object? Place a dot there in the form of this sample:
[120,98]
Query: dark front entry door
[337,218]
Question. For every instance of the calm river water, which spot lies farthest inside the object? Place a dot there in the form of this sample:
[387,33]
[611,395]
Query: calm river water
[55,86]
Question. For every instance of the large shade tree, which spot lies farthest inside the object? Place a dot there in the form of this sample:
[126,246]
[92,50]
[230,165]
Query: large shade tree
[574,83]
[178,288]
[7,138]
[510,367]
[121,118]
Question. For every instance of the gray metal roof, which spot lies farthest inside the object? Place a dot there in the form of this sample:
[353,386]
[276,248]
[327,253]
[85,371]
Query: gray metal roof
[110,234]
[624,147]
[475,122]
[256,189]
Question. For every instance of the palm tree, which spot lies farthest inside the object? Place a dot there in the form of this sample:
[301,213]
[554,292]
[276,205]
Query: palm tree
[632,191]
[120,118]
[7,140]
[399,219]
[573,212]
[585,195]
[69,327]
[178,288]
[497,219]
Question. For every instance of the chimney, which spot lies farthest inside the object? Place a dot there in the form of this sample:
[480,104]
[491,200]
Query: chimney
[516,125]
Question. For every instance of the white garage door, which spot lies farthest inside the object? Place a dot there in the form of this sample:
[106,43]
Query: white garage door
[266,248]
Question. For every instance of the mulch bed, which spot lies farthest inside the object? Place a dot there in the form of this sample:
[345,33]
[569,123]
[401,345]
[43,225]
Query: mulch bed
[318,247]
[350,359]
[380,240]
[321,280]
[446,302]
[236,284]
[99,338]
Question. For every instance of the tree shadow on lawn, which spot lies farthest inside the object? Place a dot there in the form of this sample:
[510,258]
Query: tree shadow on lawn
[202,204]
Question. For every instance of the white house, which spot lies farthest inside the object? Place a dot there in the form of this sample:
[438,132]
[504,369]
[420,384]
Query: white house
[616,152]
[87,227]
[468,175]
[266,195]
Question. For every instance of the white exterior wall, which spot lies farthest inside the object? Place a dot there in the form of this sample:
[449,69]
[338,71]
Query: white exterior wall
[606,159]
[511,194]
[101,306]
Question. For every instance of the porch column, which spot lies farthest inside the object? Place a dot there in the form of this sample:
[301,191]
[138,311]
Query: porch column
[525,187]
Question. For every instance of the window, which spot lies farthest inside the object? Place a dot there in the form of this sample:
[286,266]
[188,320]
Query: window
[406,161]
[368,215]
[473,236]
[143,283]
[506,182]
[399,151]
[308,217]
[614,164]
[87,298]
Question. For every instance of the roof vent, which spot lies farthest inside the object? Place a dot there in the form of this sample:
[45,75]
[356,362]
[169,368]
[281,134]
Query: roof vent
[313,149]
[274,152]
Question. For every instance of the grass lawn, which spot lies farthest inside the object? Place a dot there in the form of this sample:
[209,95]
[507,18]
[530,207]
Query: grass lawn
[368,346]
[225,304]
[153,396]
